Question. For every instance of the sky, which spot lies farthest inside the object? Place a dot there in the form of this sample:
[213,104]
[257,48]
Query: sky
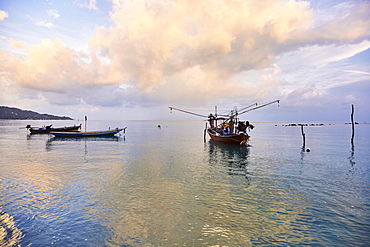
[133,59]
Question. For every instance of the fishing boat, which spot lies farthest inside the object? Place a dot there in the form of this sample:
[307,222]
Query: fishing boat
[228,128]
[100,133]
[240,139]
[47,129]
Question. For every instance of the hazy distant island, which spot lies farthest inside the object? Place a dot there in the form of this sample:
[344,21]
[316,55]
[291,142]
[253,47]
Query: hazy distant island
[15,113]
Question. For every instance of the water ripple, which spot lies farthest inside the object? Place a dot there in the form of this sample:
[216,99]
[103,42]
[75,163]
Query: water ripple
[10,235]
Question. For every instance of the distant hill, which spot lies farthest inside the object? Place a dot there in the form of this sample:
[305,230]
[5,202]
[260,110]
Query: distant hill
[15,113]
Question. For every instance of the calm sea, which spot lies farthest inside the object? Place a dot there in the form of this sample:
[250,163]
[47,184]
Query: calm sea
[167,187]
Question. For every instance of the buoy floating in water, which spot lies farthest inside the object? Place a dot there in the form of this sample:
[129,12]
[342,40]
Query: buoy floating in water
[308,150]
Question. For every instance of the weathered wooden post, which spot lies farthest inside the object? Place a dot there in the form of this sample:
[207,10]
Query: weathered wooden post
[204,135]
[215,116]
[353,125]
[304,136]
[85,122]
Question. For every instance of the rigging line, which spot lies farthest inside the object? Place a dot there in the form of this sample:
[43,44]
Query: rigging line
[257,107]
[248,107]
[237,113]
[192,113]
[199,110]
[262,117]
[225,113]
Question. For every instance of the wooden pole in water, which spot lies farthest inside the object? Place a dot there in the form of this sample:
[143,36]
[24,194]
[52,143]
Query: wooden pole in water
[353,125]
[304,136]
[216,115]
[85,122]
[204,136]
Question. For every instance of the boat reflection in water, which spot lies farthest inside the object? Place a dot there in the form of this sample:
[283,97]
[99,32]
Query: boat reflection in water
[99,133]
[235,158]
[77,139]
[51,142]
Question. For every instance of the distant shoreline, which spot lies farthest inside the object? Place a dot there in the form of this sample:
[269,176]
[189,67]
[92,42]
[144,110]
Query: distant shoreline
[12,113]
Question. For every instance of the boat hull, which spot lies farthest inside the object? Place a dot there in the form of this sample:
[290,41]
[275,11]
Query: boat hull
[48,130]
[102,133]
[237,139]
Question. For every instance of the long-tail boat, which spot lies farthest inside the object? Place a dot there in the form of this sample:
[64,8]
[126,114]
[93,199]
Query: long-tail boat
[100,133]
[228,128]
[47,129]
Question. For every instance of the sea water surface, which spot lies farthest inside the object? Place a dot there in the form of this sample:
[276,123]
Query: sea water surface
[165,186]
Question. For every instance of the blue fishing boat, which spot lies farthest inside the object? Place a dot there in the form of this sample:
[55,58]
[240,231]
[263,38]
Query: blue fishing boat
[100,133]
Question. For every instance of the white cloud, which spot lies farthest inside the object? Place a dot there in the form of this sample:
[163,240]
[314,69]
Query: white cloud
[45,24]
[357,72]
[3,15]
[17,43]
[53,13]
[319,55]
[91,4]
